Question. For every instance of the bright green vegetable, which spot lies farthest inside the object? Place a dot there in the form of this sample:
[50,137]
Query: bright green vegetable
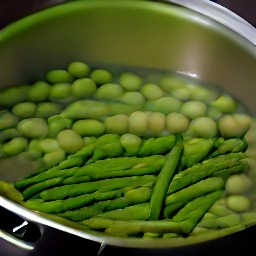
[78,69]
[223,164]
[176,123]
[138,123]
[193,109]
[24,109]
[59,76]
[70,141]
[7,120]
[33,127]
[88,127]
[101,76]
[164,178]
[152,91]
[180,198]
[83,88]
[14,146]
[60,92]
[130,81]
[48,109]
[38,92]
[109,91]
[156,123]
[117,124]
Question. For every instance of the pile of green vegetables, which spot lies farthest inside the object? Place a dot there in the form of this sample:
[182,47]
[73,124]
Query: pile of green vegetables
[123,153]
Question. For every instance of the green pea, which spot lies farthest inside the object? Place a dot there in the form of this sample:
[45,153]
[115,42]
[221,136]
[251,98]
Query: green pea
[15,146]
[59,76]
[101,76]
[39,91]
[156,123]
[176,123]
[33,150]
[203,127]
[24,109]
[83,88]
[47,109]
[7,120]
[60,92]
[193,109]
[133,98]
[78,69]
[235,125]
[152,91]
[130,81]
[116,124]
[88,127]
[109,91]
[48,145]
[138,123]
[70,141]
[33,127]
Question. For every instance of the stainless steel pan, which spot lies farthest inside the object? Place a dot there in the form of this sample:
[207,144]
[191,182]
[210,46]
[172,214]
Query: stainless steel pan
[197,38]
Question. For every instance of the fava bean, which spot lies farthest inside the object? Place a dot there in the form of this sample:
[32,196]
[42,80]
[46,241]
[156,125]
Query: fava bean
[78,69]
[131,144]
[39,91]
[88,127]
[24,109]
[193,109]
[48,145]
[101,76]
[15,146]
[8,134]
[53,158]
[203,127]
[165,105]
[7,120]
[238,203]
[225,104]
[109,91]
[116,124]
[138,123]
[238,184]
[83,88]
[56,124]
[59,76]
[156,123]
[70,141]
[130,81]
[176,123]
[48,109]
[60,92]
[33,127]
[235,125]
[133,98]
[152,91]
[14,95]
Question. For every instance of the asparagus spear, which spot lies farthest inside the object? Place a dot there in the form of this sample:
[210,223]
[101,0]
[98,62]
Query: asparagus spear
[73,190]
[205,169]
[164,178]
[178,199]
[107,205]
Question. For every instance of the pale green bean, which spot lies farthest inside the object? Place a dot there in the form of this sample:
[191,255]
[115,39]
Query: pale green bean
[78,69]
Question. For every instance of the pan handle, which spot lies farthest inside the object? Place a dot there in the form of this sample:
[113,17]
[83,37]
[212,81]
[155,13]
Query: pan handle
[17,230]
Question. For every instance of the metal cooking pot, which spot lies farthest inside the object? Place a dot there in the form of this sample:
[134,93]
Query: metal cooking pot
[197,38]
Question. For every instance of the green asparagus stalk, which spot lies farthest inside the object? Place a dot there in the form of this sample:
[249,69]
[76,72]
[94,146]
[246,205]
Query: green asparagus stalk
[107,205]
[74,190]
[192,212]
[175,201]
[58,206]
[205,169]
[164,178]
